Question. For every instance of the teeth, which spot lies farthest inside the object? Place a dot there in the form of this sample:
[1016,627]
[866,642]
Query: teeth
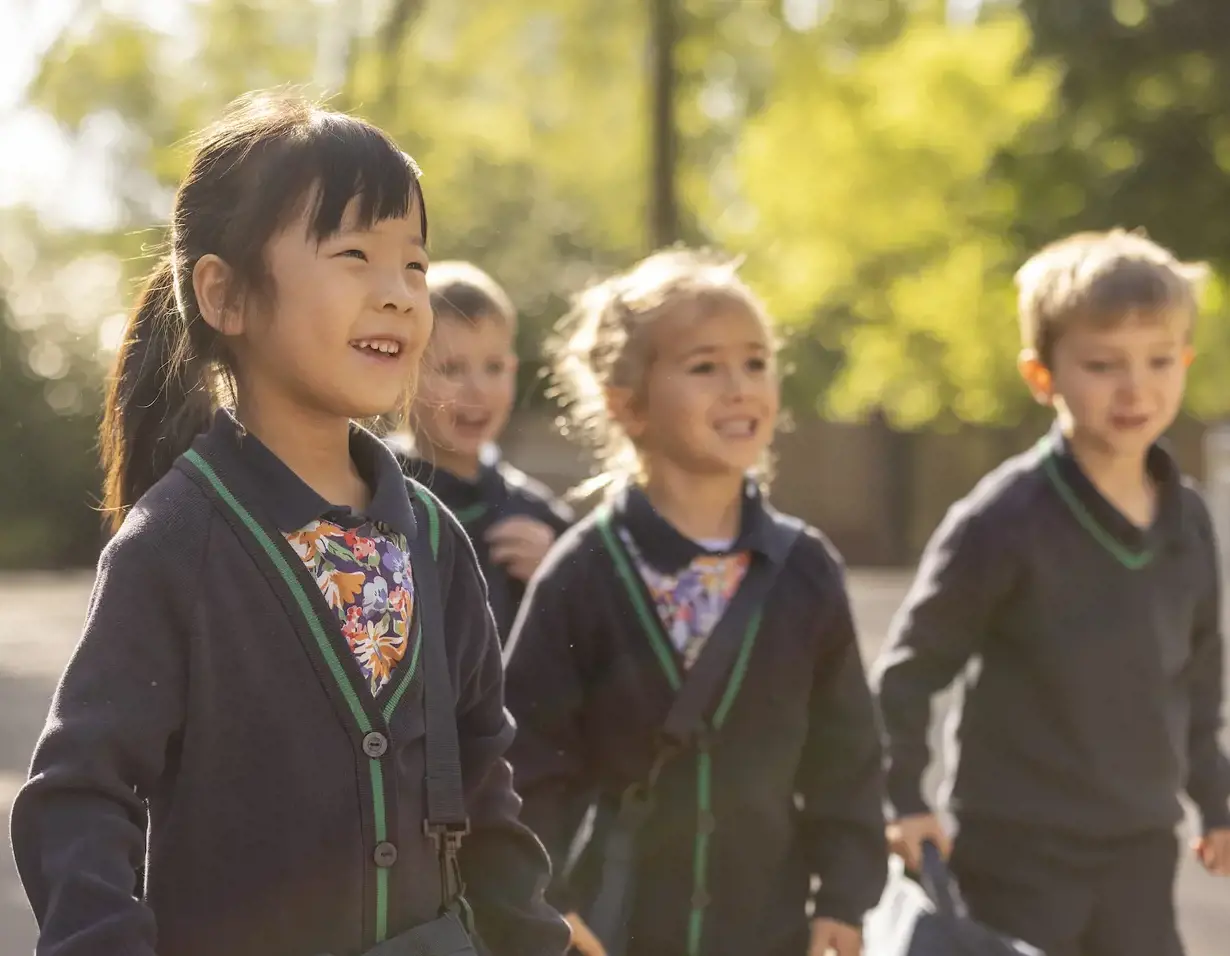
[740,428]
[379,345]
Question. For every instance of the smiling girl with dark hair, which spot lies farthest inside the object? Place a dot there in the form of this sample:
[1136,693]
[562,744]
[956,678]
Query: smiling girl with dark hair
[288,664]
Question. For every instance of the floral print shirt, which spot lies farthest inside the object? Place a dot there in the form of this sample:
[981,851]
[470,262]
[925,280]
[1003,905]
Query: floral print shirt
[364,573]
[692,601]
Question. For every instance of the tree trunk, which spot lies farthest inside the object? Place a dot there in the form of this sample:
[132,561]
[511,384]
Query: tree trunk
[663,204]
[397,24]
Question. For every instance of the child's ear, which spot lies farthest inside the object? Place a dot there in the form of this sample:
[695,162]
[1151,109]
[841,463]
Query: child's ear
[211,282]
[1189,356]
[1037,376]
[621,407]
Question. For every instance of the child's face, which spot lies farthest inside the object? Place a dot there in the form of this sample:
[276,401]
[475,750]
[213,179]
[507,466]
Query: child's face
[469,385]
[1120,388]
[348,320]
[710,399]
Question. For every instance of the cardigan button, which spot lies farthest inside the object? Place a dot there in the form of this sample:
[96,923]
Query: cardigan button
[385,855]
[375,744]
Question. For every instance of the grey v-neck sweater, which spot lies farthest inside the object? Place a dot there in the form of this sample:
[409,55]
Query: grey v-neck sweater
[1097,692]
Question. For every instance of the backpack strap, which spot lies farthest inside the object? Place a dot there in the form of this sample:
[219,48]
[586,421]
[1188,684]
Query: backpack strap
[446,820]
[691,716]
[691,713]
[697,691]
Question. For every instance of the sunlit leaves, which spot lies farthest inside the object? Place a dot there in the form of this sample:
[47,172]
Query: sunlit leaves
[884,170]
[1207,394]
[877,225]
[107,63]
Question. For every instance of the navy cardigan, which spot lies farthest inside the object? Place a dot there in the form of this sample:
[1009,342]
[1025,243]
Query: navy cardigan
[285,803]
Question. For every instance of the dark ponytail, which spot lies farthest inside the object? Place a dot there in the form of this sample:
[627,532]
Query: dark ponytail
[158,397]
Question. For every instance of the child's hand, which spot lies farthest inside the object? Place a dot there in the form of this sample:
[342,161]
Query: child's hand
[584,941]
[907,835]
[520,544]
[1213,850]
[831,938]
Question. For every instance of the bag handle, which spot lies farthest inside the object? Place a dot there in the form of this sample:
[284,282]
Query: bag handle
[938,883]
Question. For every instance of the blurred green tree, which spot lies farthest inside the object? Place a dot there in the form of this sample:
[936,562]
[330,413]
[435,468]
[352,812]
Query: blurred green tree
[884,169]
[873,226]
[47,425]
[1143,136]
[1141,139]
[528,119]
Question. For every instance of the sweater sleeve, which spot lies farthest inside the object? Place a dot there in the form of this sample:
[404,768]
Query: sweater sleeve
[1208,782]
[78,825]
[546,695]
[840,783]
[935,633]
[503,865]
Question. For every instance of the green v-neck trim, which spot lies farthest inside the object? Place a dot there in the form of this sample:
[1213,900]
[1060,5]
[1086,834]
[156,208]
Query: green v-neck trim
[329,653]
[470,513]
[652,625]
[1132,560]
[327,647]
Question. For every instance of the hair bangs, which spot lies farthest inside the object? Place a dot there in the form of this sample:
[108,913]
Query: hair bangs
[355,161]
[330,162]
[317,163]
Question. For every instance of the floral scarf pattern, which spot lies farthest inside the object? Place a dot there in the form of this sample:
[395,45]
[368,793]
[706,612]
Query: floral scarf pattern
[692,601]
[364,575]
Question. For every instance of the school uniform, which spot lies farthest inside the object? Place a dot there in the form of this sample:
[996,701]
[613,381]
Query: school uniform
[267,707]
[500,491]
[1091,660]
[788,785]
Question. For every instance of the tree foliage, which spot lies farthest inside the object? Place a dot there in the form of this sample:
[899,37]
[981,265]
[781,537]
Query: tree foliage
[1143,135]
[1140,138]
[884,168]
[873,225]
[46,431]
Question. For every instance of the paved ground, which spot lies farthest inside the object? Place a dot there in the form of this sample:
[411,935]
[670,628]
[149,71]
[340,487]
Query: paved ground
[40,617]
